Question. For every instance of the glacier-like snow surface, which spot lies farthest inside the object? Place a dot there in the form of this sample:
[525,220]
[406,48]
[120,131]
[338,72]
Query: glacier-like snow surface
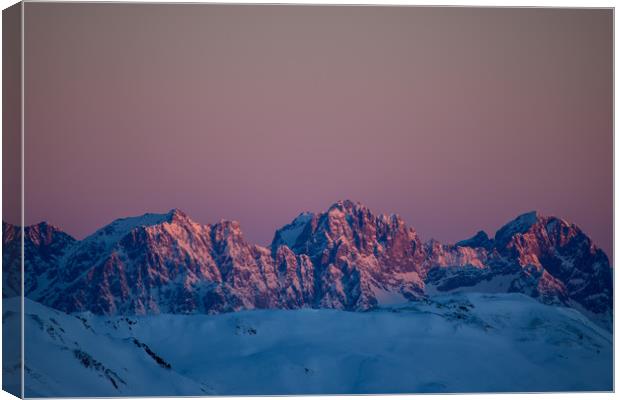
[467,342]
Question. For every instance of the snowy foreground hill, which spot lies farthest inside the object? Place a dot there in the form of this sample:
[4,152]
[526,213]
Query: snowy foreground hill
[467,342]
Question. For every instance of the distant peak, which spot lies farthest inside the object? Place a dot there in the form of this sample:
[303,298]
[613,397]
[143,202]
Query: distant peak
[345,204]
[44,228]
[228,225]
[177,215]
[44,232]
[521,224]
[44,225]
[530,216]
[289,234]
[480,239]
[481,235]
[304,216]
[119,227]
[348,206]
[34,232]
[40,226]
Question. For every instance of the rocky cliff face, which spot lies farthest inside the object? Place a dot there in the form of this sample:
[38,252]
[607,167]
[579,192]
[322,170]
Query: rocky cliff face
[544,257]
[44,248]
[357,256]
[345,258]
[167,263]
[570,266]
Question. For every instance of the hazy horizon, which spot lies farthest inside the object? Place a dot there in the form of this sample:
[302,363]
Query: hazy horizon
[458,119]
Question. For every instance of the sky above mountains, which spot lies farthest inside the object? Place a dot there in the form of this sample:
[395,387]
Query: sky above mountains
[457,119]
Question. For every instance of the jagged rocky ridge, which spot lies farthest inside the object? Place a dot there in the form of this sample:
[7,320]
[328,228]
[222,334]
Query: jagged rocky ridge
[345,258]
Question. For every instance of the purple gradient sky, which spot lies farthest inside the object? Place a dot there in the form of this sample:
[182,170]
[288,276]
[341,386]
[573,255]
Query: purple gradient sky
[457,119]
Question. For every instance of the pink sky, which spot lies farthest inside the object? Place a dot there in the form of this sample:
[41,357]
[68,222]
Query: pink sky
[457,119]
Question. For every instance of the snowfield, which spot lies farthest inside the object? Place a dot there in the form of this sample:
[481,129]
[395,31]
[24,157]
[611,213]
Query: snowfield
[459,342]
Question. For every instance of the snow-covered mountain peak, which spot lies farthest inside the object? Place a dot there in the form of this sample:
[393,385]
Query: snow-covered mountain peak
[534,227]
[46,233]
[112,233]
[176,215]
[40,233]
[227,229]
[289,234]
[480,239]
[346,205]
[44,226]
[120,227]
[521,224]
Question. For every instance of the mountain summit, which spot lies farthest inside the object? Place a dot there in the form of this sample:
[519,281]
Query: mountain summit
[346,258]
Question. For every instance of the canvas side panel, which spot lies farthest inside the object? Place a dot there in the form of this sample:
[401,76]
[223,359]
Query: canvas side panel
[12,199]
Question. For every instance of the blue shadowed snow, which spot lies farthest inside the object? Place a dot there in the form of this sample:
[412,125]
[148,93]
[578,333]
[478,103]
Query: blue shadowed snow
[469,342]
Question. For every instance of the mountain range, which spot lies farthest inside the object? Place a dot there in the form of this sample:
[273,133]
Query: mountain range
[344,258]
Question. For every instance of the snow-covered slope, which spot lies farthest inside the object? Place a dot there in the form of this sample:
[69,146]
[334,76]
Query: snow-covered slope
[449,343]
[66,356]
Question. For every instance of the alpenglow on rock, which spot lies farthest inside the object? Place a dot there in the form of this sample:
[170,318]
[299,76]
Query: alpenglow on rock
[345,258]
